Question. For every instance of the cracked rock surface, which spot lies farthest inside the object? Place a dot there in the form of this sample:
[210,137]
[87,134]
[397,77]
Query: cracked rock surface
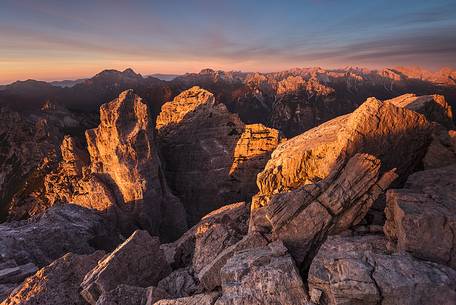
[421,217]
[359,271]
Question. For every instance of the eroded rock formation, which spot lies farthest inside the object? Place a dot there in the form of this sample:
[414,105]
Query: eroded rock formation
[57,283]
[358,270]
[304,217]
[138,261]
[421,217]
[120,174]
[375,127]
[210,155]
[259,276]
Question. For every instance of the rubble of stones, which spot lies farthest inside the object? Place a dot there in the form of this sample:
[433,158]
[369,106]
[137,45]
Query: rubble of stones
[201,208]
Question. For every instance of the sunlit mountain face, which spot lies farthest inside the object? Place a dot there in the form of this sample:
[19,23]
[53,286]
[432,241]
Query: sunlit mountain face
[227,152]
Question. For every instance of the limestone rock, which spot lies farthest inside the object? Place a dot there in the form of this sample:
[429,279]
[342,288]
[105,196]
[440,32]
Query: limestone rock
[204,241]
[373,128]
[57,283]
[442,150]
[25,158]
[30,144]
[138,261]
[61,229]
[252,151]
[262,276]
[73,182]
[211,157]
[304,217]
[17,274]
[218,230]
[358,270]
[421,218]
[180,283]
[123,153]
[198,299]
[300,105]
[434,107]
[209,275]
[131,295]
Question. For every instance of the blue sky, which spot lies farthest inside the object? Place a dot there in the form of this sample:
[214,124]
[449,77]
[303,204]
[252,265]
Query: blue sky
[50,39]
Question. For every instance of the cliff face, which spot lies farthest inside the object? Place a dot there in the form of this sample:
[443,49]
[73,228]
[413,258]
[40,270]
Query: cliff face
[211,157]
[29,151]
[120,173]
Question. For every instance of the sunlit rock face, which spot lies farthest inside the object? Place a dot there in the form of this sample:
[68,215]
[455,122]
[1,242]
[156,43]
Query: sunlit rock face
[211,157]
[124,156]
[398,136]
[120,172]
[327,179]
[434,107]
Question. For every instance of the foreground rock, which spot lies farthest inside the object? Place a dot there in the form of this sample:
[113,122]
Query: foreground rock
[73,182]
[181,283]
[218,230]
[131,295]
[304,217]
[209,275]
[259,276]
[198,299]
[211,156]
[358,270]
[375,127]
[57,283]
[434,107]
[442,150]
[61,229]
[421,218]
[138,261]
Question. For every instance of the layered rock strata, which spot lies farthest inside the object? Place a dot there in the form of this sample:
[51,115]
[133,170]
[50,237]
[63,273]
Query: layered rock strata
[211,157]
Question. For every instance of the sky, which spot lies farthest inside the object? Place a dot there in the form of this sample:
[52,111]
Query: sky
[54,39]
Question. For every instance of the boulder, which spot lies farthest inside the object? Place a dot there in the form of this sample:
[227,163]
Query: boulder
[72,181]
[211,157]
[57,283]
[180,283]
[304,217]
[375,127]
[17,274]
[204,241]
[358,270]
[421,217]
[442,150]
[209,275]
[131,295]
[434,107]
[62,228]
[265,275]
[197,299]
[138,261]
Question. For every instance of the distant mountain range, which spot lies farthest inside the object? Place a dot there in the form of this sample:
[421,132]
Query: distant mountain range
[292,101]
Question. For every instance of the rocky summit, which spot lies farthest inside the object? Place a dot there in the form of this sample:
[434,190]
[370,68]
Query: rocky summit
[232,188]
